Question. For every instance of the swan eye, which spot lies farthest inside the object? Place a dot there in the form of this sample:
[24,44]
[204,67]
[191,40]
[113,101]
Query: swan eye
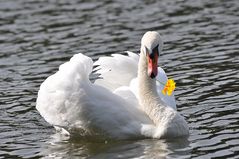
[146,51]
[156,50]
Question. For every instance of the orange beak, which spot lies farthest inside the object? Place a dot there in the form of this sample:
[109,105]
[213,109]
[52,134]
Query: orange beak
[152,65]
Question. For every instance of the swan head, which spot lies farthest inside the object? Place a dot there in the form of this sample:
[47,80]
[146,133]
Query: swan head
[151,46]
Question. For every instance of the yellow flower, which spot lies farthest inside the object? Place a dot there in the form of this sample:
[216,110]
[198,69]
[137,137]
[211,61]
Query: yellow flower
[169,87]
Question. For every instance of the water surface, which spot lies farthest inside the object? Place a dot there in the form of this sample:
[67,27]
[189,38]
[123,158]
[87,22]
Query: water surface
[201,54]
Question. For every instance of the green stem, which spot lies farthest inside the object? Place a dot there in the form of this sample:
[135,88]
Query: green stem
[160,82]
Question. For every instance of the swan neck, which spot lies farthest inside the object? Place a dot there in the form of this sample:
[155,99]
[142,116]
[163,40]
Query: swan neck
[147,84]
[148,96]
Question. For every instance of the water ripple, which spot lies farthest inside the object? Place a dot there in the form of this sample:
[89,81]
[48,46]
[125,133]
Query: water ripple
[200,53]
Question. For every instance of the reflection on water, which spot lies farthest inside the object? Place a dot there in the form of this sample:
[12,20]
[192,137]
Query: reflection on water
[62,146]
[201,54]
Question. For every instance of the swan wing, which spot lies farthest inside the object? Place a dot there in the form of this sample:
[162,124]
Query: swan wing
[60,91]
[117,70]
[69,100]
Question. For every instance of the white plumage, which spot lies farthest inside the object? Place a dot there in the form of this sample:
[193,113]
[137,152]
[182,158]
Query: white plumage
[113,106]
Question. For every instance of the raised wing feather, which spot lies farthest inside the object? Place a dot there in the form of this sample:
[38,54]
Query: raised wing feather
[117,70]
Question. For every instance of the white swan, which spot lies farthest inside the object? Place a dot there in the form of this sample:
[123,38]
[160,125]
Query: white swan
[126,103]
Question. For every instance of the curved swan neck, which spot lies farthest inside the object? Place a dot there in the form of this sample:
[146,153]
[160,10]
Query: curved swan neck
[149,99]
[147,85]
[148,96]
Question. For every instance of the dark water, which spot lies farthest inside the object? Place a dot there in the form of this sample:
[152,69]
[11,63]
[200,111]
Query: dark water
[201,53]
